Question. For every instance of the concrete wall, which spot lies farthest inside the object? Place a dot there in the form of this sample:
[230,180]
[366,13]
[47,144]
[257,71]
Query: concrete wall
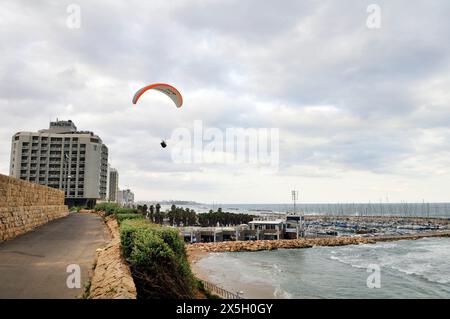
[25,206]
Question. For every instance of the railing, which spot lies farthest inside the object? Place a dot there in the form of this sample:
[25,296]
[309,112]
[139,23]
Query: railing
[225,294]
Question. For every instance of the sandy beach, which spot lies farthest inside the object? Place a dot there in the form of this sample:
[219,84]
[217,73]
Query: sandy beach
[229,282]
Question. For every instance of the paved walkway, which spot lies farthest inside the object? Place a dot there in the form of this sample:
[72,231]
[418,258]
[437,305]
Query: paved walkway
[34,265]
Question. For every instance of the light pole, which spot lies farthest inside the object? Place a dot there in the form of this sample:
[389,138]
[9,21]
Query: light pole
[68,176]
[294,194]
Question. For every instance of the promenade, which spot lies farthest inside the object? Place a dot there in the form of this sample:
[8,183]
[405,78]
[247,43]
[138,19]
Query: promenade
[34,265]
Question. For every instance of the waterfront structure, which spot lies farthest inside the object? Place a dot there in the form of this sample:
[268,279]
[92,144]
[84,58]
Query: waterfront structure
[294,226]
[113,187]
[64,158]
[267,229]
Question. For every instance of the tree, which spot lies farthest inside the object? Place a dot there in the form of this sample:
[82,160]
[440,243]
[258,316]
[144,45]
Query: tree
[152,213]
[159,217]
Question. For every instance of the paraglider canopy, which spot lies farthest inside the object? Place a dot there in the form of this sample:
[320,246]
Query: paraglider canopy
[167,89]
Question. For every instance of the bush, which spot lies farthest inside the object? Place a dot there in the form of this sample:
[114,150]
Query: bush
[158,261]
[77,208]
[108,208]
[121,210]
[121,217]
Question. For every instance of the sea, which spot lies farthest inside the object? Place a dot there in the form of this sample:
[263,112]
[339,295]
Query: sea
[401,269]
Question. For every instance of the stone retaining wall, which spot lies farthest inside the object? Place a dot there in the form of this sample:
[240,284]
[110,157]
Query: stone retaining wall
[25,206]
[112,277]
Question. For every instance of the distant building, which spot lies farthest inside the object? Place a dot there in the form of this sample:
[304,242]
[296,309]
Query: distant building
[113,195]
[62,157]
[126,197]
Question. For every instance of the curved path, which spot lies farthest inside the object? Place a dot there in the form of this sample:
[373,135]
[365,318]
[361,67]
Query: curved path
[34,265]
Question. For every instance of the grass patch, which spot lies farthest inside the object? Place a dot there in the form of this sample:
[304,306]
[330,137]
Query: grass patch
[121,217]
[113,208]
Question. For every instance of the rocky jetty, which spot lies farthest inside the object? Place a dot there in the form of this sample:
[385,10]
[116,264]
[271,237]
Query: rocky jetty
[234,246]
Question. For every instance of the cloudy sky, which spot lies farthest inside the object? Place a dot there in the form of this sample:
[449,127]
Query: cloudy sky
[363,114]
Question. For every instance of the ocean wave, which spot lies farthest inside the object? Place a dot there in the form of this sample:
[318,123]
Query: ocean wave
[427,258]
[352,262]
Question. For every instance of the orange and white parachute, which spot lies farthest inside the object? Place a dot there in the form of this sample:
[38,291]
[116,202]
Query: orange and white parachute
[167,89]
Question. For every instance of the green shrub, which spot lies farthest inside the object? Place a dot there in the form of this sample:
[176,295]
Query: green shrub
[121,210]
[128,228]
[108,208]
[158,261]
[77,208]
[121,217]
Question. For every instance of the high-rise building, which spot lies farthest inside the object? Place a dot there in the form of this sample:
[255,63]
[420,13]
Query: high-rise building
[113,185]
[126,197]
[65,158]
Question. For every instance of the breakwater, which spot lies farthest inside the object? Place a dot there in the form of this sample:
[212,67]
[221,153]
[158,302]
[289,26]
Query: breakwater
[235,246]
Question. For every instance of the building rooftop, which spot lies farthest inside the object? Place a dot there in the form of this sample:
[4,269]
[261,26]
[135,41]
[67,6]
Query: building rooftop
[267,222]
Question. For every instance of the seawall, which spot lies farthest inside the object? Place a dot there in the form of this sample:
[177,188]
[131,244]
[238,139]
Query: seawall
[25,206]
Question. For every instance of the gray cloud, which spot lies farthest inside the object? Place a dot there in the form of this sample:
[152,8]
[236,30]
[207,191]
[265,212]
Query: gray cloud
[349,101]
